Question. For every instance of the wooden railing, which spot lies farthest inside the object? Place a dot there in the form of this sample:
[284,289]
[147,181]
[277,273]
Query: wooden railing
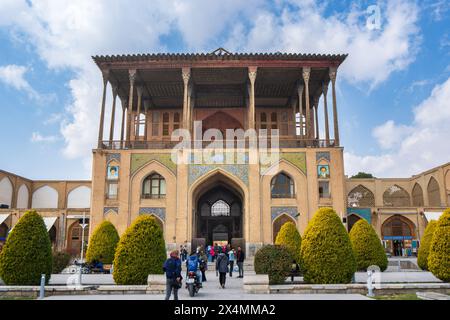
[166,144]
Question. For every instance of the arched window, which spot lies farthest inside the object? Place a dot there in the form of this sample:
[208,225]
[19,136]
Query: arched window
[220,208]
[154,187]
[434,197]
[282,186]
[278,223]
[397,226]
[396,196]
[361,197]
[417,196]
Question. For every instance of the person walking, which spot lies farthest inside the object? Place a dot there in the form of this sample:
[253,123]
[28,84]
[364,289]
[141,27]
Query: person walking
[172,268]
[203,264]
[231,255]
[212,253]
[240,257]
[222,268]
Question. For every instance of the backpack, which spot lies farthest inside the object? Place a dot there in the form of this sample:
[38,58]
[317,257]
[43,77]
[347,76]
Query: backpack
[171,268]
[192,264]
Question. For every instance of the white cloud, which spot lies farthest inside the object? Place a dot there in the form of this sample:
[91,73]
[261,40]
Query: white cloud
[66,33]
[14,76]
[36,137]
[416,147]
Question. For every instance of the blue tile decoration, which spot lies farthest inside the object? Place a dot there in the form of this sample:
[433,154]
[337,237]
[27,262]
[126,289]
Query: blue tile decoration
[323,155]
[240,171]
[278,211]
[113,156]
[159,212]
[364,213]
[108,210]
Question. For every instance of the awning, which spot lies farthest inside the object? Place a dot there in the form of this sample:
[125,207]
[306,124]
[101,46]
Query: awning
[3,217]
[49,222]
[432,215]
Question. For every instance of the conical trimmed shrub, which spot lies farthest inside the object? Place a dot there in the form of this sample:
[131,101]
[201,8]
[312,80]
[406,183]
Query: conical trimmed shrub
[367,246]
[27,253]
[439,256]
[141,251]
[425,244]
[289,237]
[326,251]
[103,243]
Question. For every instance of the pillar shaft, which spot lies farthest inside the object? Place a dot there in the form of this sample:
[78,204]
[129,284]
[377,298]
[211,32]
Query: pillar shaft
[122,128]
[333,72]
[325,110]
[306,75]
[139,106]
[300,107]
[186,74]
[102,112]
[130,103]
[113,115]
[252,71]
[316,116]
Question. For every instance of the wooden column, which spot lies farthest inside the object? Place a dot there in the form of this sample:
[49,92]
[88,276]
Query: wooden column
[316,116]
[105,74]
[113,115]
[139,90]
[122,128]
[252,71]
[325,110]
[186,74]
[190,106]
[132,74]
[300,106]
[306,75]
[333,72]
[146,125]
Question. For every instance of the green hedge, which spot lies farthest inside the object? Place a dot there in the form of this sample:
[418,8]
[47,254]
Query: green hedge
[425,243]
[291,239]
[102,244]
[327,255]
[439,256]
[27,252]
[60,261]
[141,251]
[274,261]
[367,246]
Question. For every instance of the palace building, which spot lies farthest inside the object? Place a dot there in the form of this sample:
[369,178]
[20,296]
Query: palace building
[138,169]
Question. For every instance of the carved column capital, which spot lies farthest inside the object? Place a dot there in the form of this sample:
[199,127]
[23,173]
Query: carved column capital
[133,75]
[186,74]
[306,74]
[252,72]
[333,73]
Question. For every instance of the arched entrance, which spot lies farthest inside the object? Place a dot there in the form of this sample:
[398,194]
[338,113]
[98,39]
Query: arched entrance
[218,213]
[75,239]
[278,223]
[398,234]
[351,220]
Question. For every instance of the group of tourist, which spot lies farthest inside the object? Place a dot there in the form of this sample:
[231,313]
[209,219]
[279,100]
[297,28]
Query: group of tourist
[224,256]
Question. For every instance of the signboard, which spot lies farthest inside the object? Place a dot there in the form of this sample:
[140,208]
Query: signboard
[397,238]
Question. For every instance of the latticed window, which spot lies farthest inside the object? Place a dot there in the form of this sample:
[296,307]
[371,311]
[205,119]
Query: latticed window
[165,124]
[417,196]
[274,120]
[282,186]
[155,124]
[397,226]
[434,197]
[176,121]
[154,187]
[220,208]
[263,118]
[361,197]
[396,196]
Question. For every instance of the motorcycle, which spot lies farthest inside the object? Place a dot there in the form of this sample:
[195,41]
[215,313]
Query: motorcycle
[192,283]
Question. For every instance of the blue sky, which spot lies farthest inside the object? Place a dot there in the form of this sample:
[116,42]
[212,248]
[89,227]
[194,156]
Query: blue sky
[393,90]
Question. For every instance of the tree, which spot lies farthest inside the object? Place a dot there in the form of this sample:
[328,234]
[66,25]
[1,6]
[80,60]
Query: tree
[362,175]
[289,237]
[27,253]
[275,261]
[439,256]
[141,251]
[326,251]
[367,246]
[103,243]
[425,244]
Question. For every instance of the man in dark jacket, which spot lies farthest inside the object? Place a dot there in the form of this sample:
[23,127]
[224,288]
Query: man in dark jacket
[222,268]
[240,257]
[172,268]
